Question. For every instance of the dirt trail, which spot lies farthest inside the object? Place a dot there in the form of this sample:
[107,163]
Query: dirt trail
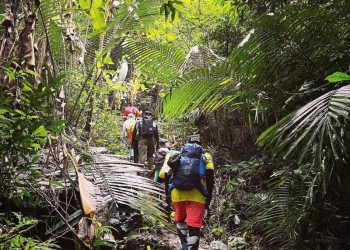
[166,241]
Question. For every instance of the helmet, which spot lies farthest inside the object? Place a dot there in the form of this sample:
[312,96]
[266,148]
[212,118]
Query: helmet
[194,139]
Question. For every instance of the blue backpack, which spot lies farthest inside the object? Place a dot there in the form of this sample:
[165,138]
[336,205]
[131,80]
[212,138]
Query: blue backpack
[191,169]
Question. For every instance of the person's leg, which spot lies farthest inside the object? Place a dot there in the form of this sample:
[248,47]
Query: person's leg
[135,146]
[150,152]
[194,220]
[142,150]
[131,153]
[193,238]
[181,226]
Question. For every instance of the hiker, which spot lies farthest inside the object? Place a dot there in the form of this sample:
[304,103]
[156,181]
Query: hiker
[128,127]
[164,147]
[146,134]
[164,176]
[189,196]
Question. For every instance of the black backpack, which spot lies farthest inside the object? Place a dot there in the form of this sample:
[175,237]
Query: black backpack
[147,127]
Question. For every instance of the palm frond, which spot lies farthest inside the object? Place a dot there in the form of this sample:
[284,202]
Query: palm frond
[205,87]
[50,23]
[319,128]
[162,61]
[280,212]
[121,183]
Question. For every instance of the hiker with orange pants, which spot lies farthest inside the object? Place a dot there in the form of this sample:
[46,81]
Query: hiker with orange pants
[189,195]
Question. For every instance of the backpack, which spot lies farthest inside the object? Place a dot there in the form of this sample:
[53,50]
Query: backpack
[129,129]
[160,157]
[191,169]
[147,127]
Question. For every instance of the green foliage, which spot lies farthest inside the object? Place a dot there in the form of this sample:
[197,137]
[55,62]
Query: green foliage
[338,76]
[153,57]
[276,66]
[107,130]
[12,231]
[176,131]
[280,212]
[26,122]
[235,184]
[316,135]
[196,23]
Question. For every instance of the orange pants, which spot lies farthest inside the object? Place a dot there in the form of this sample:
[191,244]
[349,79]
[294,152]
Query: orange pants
[191,210]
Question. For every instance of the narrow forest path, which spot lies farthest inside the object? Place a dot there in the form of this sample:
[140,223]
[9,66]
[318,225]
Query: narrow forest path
[156,239]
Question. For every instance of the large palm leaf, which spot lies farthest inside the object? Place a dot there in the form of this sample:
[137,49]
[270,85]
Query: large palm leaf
[319,126]
[201,86]
[159,60]
[120,182]
[318,133]
[280,61]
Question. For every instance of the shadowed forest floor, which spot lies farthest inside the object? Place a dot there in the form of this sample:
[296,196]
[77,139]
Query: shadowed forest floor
[166,241]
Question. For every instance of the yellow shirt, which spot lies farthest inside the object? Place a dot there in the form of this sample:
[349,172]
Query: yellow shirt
[193,194]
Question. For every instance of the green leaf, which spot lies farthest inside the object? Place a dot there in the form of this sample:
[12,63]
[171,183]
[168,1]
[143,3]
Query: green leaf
[35,145]
[97,14]
[56,183]
[100,242]
[40,132]
[31,72]
[20,112]
[84,4]
[57,126]
[9,73]
[26,88]
[107,60]
[179,7]
[337,77]
[3,111]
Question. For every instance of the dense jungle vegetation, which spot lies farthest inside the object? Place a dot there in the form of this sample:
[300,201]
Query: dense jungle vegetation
[265,83]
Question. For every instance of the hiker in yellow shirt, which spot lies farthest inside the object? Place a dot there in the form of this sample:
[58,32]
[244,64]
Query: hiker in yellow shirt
[190,194]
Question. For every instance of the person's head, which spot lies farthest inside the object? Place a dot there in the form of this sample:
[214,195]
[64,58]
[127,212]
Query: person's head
[194,139]
[163,143]
[130,116]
